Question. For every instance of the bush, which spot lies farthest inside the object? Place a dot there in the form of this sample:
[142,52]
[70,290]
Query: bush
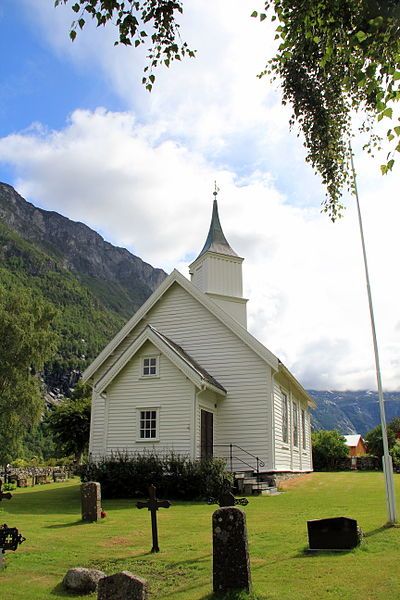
[175,476]
[328,448]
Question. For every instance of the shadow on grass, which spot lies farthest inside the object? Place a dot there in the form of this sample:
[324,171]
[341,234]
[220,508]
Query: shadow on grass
[234,595]
[307,553]
[62,525]
[378,530]
[65,500]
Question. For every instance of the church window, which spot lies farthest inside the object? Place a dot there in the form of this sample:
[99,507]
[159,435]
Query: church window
[285,420]
[303,428]
[295,425]
[150,366]
[148,424]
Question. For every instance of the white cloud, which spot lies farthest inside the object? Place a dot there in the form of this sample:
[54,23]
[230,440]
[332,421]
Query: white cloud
[303,274]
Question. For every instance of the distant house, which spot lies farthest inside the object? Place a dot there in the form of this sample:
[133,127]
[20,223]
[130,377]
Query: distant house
[355,444]
[184,374]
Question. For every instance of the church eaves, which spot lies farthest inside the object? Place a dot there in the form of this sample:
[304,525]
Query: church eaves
[216,240]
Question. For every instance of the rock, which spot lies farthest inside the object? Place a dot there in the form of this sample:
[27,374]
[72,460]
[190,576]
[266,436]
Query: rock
[122,586]
[81,580]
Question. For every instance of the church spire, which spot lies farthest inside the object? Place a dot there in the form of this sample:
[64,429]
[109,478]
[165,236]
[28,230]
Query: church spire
[216,240]
[217,271]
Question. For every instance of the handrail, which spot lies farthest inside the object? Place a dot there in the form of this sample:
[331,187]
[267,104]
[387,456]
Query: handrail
[259,462]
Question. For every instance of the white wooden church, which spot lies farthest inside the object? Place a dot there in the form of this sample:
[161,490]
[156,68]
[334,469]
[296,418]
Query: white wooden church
[185,375]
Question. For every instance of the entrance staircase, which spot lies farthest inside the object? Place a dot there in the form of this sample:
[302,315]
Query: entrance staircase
[249,485]
[247,480]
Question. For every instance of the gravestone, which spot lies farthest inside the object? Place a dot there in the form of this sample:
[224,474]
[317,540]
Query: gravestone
[122,586]
[231,565]
[91,501]
[153,505]
[337,533]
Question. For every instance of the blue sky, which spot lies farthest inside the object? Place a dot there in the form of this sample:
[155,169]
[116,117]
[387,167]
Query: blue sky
[80,135]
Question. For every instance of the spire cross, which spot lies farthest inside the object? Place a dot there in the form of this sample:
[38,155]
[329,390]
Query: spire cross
[153,505]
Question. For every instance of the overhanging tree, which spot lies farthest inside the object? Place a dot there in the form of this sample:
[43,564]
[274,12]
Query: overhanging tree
[334,56]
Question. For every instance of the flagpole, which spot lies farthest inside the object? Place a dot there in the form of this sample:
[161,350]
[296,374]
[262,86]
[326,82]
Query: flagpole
[386,459]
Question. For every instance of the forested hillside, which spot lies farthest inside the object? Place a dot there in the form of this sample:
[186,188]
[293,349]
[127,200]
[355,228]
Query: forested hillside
[92,285]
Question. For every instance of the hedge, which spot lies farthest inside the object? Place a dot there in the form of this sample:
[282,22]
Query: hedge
[124,475]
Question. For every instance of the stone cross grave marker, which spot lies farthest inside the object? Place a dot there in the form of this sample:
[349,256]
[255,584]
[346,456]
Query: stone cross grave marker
[231,565]
[91,501]
[10,538]
[6,495]
[153,505]
[122,586]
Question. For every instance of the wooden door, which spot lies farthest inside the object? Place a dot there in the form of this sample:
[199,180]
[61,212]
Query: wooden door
[207,434]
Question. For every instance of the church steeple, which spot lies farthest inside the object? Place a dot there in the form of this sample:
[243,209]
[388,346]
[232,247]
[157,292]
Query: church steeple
[216,241]
[217,270]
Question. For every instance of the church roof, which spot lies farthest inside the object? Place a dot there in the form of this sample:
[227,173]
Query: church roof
[216,240]
[189,360]
[183,361]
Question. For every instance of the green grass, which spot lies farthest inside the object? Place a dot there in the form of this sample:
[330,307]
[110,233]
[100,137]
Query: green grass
[49,517]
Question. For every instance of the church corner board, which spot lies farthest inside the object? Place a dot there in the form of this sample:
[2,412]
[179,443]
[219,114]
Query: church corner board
[185,375]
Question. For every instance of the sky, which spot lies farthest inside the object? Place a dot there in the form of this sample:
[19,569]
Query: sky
[81,136]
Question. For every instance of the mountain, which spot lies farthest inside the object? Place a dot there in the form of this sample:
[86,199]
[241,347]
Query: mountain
[120,280]
[93,285]
[352,411]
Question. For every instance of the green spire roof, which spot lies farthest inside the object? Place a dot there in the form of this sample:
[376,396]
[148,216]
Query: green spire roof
[216,241]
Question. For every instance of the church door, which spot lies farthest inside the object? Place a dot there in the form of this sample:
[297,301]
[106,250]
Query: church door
[207,434]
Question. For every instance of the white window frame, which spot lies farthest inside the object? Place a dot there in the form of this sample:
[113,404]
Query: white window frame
[146,363]
[146,420]
[285,418]
[295,424]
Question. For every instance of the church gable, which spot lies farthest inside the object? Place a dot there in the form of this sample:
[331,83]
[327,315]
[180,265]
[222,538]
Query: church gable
[146,410]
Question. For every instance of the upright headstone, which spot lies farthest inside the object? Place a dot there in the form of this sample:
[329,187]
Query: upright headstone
[337,533]
[231,565]
[91,501]
[122,586]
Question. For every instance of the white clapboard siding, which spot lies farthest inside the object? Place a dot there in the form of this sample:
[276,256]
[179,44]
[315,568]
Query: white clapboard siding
[97,430]
[172,394]
[244,416]
[287,456]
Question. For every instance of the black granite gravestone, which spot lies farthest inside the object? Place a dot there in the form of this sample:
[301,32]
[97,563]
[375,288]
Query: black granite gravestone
[337,533]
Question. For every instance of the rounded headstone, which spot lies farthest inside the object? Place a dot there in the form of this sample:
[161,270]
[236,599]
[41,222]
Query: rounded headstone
[231,565]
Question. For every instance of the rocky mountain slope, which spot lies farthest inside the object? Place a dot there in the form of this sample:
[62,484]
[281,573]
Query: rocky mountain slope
[93,285]
[120,280]
[352,411]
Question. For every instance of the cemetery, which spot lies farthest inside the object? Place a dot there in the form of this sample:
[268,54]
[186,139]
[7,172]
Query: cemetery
[304,542]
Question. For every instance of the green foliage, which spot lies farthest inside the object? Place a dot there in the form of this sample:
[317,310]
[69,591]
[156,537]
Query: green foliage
[176,476]
[328,447]
[335,57]
[374,439]
[69,422]
[138,22]
[395,453]
[26,342]
[82,323]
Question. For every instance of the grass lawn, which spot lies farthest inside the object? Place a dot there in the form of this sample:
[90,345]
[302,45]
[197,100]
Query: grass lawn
[49,517]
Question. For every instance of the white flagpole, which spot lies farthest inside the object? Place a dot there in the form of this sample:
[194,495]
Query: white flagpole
[386,459]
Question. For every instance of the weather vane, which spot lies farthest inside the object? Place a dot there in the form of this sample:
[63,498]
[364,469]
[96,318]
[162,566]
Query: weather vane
[216,189]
